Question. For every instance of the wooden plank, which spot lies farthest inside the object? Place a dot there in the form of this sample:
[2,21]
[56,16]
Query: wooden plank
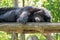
[30,27]
[14,36]
[22,36]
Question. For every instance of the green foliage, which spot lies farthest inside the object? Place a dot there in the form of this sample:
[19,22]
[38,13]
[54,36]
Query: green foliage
[54,7]
[56,36]
[6,3]
[40,36]
[4,36]
[35,1]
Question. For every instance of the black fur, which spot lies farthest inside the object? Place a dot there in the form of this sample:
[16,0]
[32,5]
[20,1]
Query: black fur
[23,15]
[9,14]
[43,15]
[27,14]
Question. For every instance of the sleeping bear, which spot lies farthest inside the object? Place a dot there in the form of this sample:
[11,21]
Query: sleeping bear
[27,14]
[43,15]
[35,15]
[40,15]
[24,15]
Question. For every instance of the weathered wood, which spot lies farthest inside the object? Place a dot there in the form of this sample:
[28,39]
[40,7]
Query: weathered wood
[30,27]
[14,36]
[22,36]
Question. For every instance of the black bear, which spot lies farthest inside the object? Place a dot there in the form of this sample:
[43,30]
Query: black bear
[27,14]
[23,15]
[16,14]
[9,14]
[43,15]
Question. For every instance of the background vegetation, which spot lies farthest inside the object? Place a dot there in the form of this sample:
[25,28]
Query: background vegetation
[52,5]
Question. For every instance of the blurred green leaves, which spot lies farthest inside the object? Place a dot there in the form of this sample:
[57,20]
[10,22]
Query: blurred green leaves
[6,3]
[54,7]
[4,36]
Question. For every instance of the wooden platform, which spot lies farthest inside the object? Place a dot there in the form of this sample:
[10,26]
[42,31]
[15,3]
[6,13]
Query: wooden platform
[30,27]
